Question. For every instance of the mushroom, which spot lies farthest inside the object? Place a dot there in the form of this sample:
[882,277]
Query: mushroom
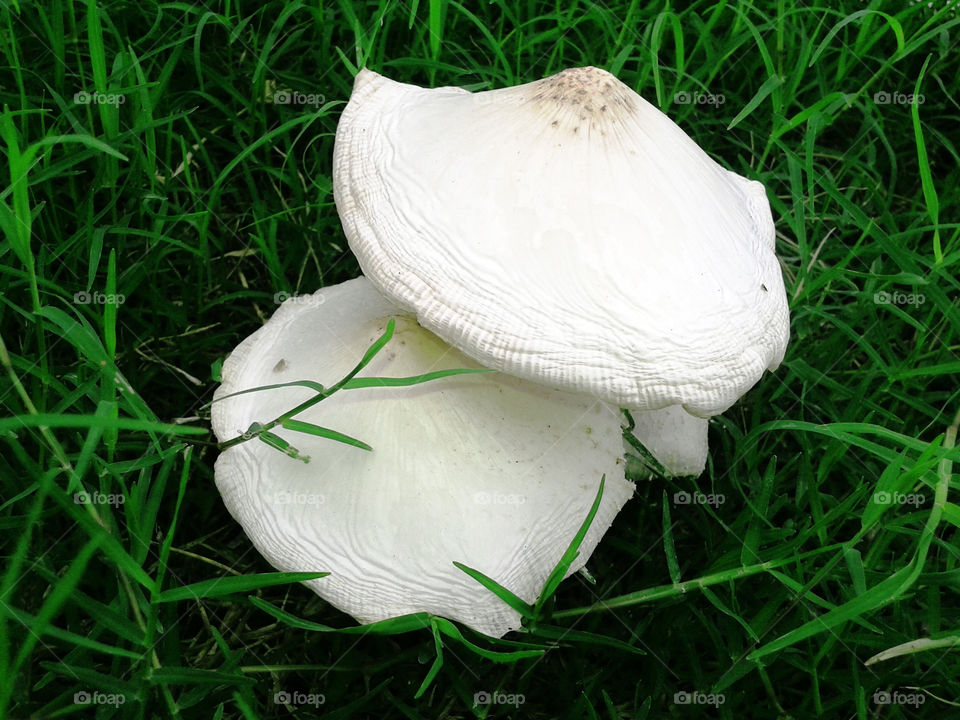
[486,470]
[567,232]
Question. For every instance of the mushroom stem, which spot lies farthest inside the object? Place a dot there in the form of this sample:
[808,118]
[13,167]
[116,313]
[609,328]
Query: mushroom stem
[675,438]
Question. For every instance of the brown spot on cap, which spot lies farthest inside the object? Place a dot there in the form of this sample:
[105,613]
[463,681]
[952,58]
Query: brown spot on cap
[568,94]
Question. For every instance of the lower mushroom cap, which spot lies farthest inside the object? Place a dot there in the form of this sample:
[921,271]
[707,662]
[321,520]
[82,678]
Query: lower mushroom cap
[488,470]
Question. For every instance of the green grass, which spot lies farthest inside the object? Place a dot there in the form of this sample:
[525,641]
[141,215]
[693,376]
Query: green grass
[200,202]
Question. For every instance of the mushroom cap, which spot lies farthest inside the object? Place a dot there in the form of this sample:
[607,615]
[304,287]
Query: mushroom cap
[567,232]
[485,469]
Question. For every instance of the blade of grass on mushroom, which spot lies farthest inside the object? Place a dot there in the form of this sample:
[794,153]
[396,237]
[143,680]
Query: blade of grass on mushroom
[347,380]
[643,455]
[435,666]
[393,626]
[311,429]
[277,442]
[296,383]
[450,630]
[368,356]
[499,590]
[569,555]
[371,382]
[440,626]
[553,581]
[358,383]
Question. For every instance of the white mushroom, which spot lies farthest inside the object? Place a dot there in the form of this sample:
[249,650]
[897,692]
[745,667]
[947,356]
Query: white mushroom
[485,469]
[567,232]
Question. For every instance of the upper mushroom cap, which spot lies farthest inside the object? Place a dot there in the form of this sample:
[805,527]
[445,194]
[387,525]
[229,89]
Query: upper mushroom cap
[567,232]
[486,469]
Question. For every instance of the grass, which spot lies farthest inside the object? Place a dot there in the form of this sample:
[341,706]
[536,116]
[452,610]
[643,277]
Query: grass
[159,203]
